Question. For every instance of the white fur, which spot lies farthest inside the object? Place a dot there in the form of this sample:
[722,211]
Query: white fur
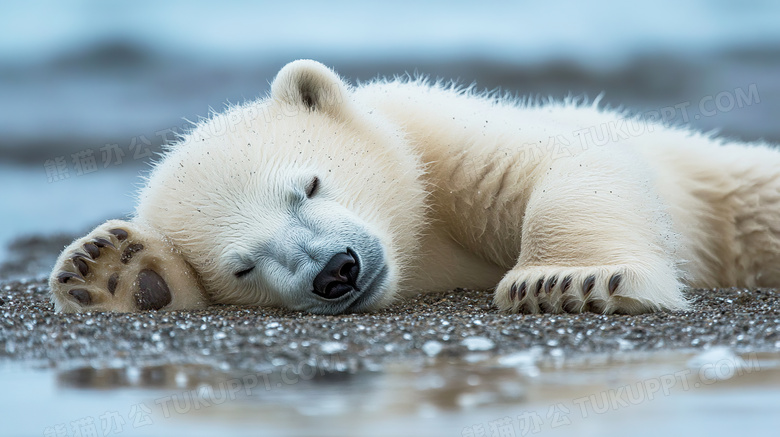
[469,190]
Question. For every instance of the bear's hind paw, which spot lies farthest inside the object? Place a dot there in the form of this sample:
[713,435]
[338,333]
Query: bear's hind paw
[602,289]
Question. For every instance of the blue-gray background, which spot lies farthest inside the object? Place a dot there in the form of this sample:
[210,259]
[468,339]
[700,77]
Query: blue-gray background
[120,76]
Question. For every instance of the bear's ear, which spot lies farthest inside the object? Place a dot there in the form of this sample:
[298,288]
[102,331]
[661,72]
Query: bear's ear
[311,85]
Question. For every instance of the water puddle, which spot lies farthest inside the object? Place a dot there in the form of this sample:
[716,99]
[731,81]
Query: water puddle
[714,392]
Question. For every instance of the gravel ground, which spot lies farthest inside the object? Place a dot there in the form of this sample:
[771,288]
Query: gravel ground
[450,325]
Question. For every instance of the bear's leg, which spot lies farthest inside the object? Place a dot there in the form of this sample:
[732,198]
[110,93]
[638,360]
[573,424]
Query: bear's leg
[123,266]
[599,242]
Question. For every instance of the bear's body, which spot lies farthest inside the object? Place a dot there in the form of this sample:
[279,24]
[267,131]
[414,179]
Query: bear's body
[330,199]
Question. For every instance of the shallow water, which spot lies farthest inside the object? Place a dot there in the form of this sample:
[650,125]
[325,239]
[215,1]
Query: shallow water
[712,393]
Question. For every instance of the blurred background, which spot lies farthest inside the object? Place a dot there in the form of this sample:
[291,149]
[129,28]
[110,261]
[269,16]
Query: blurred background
[89,90]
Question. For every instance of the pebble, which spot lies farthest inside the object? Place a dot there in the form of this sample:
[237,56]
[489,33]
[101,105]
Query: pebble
[332,347]
[432,348]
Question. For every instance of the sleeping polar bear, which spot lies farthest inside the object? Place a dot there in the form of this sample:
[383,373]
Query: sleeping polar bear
[329,199]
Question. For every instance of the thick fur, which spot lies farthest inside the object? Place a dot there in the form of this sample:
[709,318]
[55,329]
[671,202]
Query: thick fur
[437,187]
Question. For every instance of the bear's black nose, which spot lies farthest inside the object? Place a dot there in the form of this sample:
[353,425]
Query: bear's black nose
[338,276]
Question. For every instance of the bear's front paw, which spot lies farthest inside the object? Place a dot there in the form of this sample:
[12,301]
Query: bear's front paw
[123,266]
[601,289]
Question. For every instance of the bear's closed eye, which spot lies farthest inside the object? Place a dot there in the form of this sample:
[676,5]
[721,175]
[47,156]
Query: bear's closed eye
[244,272]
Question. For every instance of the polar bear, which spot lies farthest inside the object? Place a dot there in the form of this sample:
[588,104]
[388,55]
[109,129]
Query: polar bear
[329,198]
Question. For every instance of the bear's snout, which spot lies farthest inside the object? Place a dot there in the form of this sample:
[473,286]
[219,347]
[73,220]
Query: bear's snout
[338,277]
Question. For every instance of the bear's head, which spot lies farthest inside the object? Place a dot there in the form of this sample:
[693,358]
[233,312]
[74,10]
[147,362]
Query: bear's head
[308,199]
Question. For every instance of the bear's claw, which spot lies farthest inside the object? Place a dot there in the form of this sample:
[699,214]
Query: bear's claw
[614,283]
